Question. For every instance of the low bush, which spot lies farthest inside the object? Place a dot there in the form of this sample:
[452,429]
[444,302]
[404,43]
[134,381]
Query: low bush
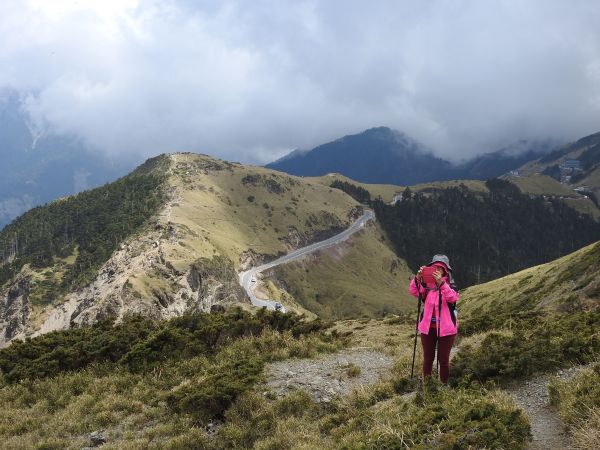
[374,418]
[140,344]
[544,344]
[60,351]
[212,393]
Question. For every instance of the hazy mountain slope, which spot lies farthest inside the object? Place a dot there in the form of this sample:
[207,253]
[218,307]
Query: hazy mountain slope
[586,149]
[493,164]
[39,166]
[592,178]
[215,219]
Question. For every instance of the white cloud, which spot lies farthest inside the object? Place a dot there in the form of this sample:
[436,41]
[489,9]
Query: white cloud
[250,80]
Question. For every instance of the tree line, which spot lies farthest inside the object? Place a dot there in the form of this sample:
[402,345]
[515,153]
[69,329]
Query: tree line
[486,235]
[358,193]
[90,225]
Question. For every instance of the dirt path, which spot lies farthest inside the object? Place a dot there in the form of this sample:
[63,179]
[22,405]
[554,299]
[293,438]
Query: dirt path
[547,428]
[325,377]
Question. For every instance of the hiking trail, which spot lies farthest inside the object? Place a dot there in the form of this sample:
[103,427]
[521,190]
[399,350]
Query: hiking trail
[532,396]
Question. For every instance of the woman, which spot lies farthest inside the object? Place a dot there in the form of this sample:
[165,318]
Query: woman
[438,320]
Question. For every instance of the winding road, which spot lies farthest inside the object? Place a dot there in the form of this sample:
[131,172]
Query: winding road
[251,274]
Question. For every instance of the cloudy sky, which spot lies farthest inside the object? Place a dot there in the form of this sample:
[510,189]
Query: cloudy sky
[251,80]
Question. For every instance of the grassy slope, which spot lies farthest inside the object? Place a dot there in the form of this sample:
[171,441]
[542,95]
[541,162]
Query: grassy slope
[361,277]
[215,209]
[385,191]
[538,184]
[141,410]
[584,205]
[565,284]
[214,214]
[578,401]
[593,179]
[535,321]
[541,184]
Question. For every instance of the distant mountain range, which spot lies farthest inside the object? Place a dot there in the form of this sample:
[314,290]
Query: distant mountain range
[383,155]
[40,166]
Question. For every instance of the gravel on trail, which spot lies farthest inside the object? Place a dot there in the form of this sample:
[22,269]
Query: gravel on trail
[546,427]
[325,377]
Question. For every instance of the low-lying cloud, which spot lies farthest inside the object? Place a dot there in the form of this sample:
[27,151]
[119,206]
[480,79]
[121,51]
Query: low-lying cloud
[250,80]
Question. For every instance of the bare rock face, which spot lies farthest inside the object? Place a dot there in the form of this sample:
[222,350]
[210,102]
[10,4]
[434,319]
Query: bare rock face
[14,310]
[112,294]
[294,238]
[250,258]
[356,212]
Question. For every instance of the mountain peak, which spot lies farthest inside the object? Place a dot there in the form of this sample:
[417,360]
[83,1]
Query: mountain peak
[375,155]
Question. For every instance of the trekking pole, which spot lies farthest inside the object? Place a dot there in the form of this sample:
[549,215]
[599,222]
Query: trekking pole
[412,370]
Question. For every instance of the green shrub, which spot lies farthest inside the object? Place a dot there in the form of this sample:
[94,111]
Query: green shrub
[139,344]
[353,370]
[535,346]
[374,418]
[444,419]
[50,354]
[211,394]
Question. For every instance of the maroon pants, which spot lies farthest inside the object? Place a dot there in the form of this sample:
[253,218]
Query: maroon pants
[428,341]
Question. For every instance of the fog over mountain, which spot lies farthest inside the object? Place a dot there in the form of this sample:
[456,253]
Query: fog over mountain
[38,165]
[250,81]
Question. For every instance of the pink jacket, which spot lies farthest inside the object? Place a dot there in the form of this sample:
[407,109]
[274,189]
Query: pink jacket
[449,295]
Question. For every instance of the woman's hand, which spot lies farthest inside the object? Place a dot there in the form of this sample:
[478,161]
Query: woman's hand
[438,276]
[419,275]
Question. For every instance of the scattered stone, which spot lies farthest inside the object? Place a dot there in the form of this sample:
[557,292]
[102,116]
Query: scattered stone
[325,377]
[97,438]
[213,426]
